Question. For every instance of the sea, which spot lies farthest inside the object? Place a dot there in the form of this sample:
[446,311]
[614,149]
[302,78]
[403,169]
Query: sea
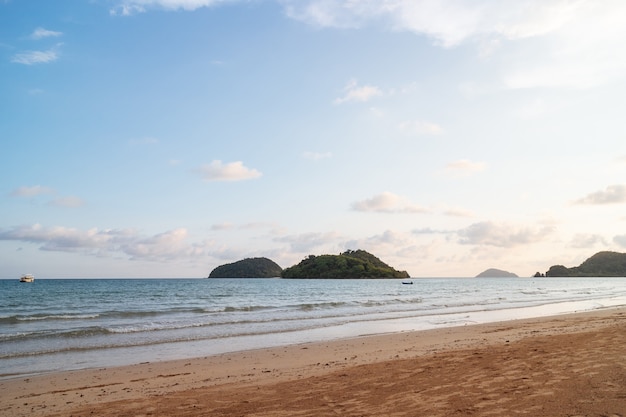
[67,324]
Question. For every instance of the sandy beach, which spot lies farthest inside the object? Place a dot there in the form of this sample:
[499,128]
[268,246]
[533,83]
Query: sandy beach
[568,365]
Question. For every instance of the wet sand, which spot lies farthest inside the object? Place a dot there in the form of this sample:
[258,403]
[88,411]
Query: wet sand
[569,365]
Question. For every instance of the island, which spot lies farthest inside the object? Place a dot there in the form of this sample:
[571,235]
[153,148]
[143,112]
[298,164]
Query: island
[248,268]
[350,264]
[496,273]
[602,264]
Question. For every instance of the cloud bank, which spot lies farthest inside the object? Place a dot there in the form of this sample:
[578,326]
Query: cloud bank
[162,247]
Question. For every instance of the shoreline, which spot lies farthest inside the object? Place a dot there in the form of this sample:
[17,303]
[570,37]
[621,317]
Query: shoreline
[64,361]
[156,384]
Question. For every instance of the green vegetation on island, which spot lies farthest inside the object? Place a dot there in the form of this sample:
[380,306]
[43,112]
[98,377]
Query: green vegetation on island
[496,273]
[602,264]
[349,264]
[248,268]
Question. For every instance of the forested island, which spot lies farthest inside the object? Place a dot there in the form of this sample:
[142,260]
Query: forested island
[349,264]
[602,264]
[248,268]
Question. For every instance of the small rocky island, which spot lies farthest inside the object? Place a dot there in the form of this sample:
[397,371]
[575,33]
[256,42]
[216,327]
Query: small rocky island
[496,273]
[602,264]
[350,265]
[248,268]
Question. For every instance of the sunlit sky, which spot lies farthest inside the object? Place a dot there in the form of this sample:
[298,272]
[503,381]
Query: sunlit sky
[162,138]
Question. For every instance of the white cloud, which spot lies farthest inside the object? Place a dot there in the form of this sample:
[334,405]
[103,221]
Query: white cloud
[584,51]
[447,22]
[620,240]
[583,241]
[419,127]
[457,212]
[555,44]
[388,202]
[69,201]
[130,7]
[613,194]
[535,109]
[502,235]
[170,245]
[431,231]
[126,10]
[233,171]
[166,246]
[316,156]
[41,33]
[35,57]
[66,239]
[354,92]
[308,242]
[222,226]
[565,43]
[33,191]
[379,242]
[463,167]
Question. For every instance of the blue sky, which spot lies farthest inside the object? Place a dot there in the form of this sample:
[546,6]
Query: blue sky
[162,138]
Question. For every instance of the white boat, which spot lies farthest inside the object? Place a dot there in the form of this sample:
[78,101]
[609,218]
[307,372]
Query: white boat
[27,278]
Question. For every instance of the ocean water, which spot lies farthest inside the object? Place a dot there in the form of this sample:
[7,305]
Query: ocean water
[52,325]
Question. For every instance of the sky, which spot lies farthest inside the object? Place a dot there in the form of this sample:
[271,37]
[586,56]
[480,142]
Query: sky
[163,138]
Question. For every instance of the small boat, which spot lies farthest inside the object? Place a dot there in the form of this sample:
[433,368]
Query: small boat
[27,278]
[407,282]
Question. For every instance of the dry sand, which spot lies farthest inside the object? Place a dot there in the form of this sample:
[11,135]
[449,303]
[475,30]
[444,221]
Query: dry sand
[569,365]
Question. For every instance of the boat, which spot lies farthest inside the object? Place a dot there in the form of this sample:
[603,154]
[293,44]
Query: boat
[27,278]
[407,282]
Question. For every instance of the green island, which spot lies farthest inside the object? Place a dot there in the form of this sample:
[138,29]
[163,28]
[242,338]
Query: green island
[349,264]
[248,268]
[602,264]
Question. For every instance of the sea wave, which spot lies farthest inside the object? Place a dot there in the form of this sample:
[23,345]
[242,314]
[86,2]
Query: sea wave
[42,317]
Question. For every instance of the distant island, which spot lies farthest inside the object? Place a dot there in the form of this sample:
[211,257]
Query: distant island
[496,273]
[248,268]
[350,264]
[602,264]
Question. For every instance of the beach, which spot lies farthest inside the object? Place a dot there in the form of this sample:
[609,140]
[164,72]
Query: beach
[565,365]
